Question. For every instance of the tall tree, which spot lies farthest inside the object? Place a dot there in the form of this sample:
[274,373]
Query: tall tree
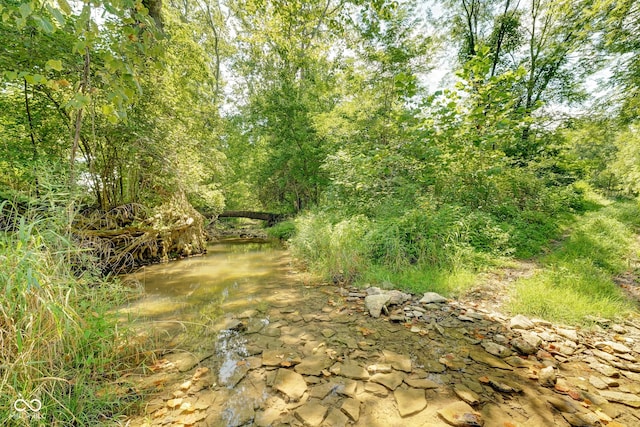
[541,37]
[283,58]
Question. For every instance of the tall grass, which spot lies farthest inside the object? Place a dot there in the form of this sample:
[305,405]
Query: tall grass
[58,341]
[422,250]
[576,282]
[335,250]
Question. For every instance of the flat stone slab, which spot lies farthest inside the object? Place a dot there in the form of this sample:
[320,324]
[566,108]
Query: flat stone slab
[185,361]
[311,414]
[615,346]
[399,362]
[521,322]
[335,418]
[495,348]
[460,414]
[351,407]
[597,382]
[313,365]
[570,334]
[279,357]
[563,404]
[376,389]
[354,371]
[410,401]
[605,370]
[421,383]
[432,297]
[466,394]
[628,399]
[481,356]
[290,383]
[322,390]
[390,381]
[348,388]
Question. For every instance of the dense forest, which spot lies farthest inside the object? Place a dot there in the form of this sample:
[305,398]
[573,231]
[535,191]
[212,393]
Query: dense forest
[409,142]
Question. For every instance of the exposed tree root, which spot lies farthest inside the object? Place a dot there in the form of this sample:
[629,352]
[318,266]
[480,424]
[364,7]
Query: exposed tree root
[130,235]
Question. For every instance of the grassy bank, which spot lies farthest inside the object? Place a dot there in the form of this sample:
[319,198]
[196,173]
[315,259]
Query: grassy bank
[576,281]
[443,249]
[59,344]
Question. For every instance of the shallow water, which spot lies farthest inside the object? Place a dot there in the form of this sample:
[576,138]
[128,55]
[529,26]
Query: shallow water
[232,275]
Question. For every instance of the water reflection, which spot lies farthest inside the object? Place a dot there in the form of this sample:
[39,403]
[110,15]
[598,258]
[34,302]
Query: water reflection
[232,275]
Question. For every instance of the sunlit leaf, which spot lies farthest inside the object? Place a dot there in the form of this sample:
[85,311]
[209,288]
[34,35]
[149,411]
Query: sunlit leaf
[25,9]
[58,16]
[54,64]
[107,109]
[44,23]
[64,5]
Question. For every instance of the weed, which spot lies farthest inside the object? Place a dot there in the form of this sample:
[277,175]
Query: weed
[59,339]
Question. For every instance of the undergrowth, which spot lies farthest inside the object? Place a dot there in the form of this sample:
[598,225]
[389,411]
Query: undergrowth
[442,248]
[59,342]
[576,281]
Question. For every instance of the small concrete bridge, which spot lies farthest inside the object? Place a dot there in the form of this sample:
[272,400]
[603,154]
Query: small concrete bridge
[271,218]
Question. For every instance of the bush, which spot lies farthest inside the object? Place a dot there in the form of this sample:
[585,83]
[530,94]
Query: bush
[444,237]
[284,230]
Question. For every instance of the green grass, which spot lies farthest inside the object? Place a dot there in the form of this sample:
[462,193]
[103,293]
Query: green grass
[576,281]
[60,343]
[418,280]
[569,293]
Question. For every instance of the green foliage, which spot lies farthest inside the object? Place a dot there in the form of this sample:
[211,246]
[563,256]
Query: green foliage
[335,249]
[59,334]
[626,166]
[450,236]
[283,230]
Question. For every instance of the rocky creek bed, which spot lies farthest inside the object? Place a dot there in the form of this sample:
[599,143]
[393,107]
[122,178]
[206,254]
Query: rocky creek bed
[329,356]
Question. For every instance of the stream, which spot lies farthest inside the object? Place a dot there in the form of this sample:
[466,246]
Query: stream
[243,339]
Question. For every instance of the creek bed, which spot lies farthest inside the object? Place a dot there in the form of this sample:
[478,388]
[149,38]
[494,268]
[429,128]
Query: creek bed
[245,340]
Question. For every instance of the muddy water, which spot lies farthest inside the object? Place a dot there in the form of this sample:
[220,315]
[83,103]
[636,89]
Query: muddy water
[244,340]
[232,275]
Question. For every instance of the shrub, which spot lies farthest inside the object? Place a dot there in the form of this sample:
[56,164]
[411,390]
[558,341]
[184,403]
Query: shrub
[284,230]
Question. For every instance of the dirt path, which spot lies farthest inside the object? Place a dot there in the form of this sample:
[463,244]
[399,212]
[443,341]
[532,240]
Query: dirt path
[314,355]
